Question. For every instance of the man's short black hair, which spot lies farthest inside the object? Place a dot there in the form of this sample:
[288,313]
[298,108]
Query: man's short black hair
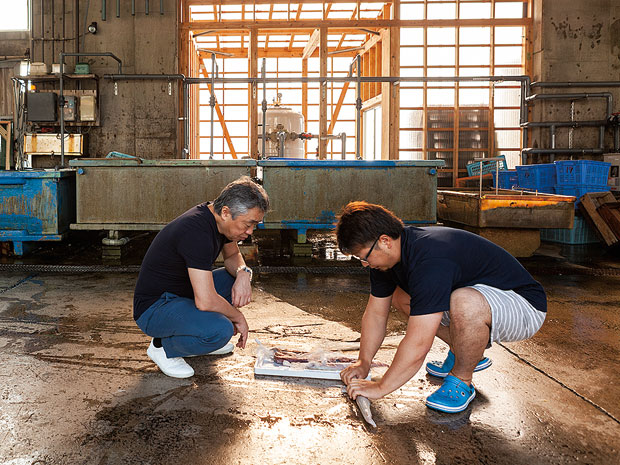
[240,196]
[361,223]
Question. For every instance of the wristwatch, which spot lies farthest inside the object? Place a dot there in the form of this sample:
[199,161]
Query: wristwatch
[245,268]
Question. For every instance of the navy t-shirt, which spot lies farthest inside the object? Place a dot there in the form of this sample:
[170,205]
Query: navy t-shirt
[437,260]
[189,241]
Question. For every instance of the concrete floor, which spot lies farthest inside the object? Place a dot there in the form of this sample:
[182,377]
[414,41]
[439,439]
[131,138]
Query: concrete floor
[77,387]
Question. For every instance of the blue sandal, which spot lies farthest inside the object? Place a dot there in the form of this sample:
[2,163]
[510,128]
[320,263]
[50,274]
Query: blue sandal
[441,370]
[453,396]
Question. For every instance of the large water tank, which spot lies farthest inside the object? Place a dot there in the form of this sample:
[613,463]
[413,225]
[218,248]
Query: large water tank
[291,121]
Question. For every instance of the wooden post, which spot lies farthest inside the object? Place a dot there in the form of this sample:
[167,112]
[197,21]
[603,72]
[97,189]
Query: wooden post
[323,93]
[390,100]
[253,93]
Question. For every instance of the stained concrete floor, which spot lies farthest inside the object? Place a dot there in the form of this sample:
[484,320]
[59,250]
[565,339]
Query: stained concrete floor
[76,386]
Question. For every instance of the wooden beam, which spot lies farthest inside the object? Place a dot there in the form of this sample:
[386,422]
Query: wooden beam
[336,112]
[252,55]
[274,52]
[220,116]
[356,24]
[323,93]
[390,102]
[281,31]
[267,2]
[312,44]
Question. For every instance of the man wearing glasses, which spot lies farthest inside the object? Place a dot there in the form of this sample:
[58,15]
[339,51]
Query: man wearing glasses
[451,284]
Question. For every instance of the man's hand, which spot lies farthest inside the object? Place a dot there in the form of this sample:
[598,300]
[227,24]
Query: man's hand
[362,387]
[241,327]
[241,290]
[356,370]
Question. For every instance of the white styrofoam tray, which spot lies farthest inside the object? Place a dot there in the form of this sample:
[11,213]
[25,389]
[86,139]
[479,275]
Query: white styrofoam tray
[265,366]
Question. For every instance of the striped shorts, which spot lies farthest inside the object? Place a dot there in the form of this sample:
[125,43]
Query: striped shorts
[513,318]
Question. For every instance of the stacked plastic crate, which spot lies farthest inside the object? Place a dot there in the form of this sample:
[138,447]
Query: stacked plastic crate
[576,178]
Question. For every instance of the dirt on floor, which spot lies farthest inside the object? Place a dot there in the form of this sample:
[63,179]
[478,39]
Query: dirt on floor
[76,386]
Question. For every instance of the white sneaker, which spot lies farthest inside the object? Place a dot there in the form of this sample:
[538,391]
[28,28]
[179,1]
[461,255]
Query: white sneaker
[227,349]
[175,367]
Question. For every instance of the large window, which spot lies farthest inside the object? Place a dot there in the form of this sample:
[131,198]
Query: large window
[457,122]
[233,103]
[14,16]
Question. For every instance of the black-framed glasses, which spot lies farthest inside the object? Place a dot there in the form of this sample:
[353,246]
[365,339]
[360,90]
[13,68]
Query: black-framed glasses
[365,259]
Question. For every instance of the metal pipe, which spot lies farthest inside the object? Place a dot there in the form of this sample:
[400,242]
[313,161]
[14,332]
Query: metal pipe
[552,130]
[31,32]
[601,137]
[281,141]
[64,12]
[185,153]
[146,7]
[576,84]
[84,28]
[144,77]
[133,7]
[212,101]
[264,105]
[104,8]
[523,117]
[343,144]
[616,138]
[161,7]
[259,80]
[576,96]
[118,8]
[358,108]
[556,150]
[53,31]
[62,111]
[390,79]
[568,124]
[42,33]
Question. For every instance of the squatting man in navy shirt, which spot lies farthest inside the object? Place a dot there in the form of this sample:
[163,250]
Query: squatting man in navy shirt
[451,284]
[186,306]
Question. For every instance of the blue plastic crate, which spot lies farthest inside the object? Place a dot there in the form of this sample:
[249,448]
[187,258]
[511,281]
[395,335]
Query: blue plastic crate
[578,190]
[539,177]
[586,172]
[473,168]
[581,233]
[507,179]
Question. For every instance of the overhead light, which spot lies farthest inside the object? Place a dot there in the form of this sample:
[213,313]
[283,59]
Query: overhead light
[92,28]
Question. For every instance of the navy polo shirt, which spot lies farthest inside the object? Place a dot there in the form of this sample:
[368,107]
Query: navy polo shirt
[191,240]
[437,260]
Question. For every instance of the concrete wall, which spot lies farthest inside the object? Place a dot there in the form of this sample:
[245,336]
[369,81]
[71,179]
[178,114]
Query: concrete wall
[577,40]
[142,118]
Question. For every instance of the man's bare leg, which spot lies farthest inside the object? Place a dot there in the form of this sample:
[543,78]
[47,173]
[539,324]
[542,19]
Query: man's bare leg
[470,326]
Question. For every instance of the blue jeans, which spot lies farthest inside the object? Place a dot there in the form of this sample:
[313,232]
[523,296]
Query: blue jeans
[184,330]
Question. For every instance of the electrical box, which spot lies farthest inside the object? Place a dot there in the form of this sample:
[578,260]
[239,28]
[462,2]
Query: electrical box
[82,68]
[41,106]
[69,111]
[614,172]
[88,108]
